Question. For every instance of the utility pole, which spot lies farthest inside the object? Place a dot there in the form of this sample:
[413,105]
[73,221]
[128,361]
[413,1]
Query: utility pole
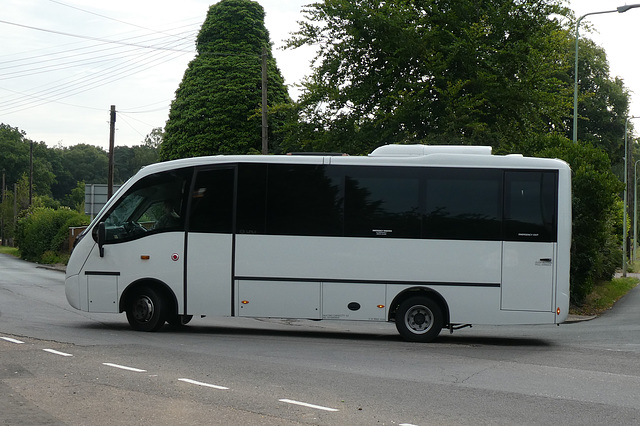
[4,189]
[15,210]
[112,131]
[265,124]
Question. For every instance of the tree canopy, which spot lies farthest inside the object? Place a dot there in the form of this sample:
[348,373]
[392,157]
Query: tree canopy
[217,105]
[603,101]
[453,71]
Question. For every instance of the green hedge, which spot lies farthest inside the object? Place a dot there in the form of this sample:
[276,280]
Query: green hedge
[42,233]
[597,212]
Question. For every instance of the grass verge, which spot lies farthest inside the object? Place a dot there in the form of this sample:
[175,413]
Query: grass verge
[604,296]
[13,251]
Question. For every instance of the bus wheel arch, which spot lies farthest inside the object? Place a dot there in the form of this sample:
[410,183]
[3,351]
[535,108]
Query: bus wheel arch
[419,314]
[148,304]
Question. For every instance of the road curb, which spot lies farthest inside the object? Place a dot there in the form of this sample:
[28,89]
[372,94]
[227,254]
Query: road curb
[580,318]
[61,268]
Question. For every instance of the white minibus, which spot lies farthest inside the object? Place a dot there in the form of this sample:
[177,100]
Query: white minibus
[428,237]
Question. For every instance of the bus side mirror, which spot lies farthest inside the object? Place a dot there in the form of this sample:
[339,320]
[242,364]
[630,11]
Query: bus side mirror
[102,236]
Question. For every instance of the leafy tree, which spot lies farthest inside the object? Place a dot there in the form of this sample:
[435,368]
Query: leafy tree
[19,198]
[603,103]
[15,159]
[217,106]
[75,199]
[595,251]
[452,71]
[128,160]
[154,139]
[86,163]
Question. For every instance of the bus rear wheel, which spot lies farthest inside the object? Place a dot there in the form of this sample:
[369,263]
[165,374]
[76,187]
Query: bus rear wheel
[146,310]
[419,319]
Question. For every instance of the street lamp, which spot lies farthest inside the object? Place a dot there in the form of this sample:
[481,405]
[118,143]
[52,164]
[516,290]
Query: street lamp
[619,9]
[624,214]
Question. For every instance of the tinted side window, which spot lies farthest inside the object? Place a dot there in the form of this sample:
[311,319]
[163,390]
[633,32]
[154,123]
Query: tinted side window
[382,202]
[303,200]
[252,198]
[463,204]
[530,208]
[211,208]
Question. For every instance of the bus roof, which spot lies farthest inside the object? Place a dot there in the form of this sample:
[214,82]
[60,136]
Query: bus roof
[391,155]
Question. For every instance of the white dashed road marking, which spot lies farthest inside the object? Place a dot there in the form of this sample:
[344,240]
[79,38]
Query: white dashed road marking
[53,351]
[9,339]
[123,367]
[305,404]
[208,385]
[190,381]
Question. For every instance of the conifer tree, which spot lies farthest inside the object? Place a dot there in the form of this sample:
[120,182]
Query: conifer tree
[217,105]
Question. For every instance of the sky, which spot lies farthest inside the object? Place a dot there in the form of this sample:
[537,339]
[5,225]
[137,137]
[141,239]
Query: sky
[63,63]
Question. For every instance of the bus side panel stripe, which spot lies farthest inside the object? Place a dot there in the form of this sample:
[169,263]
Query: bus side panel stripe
[352,281]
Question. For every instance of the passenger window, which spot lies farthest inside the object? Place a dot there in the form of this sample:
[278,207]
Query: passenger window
[252,192]
[212,201]
[382,202]
[303,200]
[531,206]
[463,204]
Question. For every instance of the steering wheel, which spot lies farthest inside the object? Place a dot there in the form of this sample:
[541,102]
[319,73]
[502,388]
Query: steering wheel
[133,227]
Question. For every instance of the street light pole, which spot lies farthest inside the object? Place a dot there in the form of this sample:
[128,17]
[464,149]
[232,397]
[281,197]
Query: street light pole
[635,211]
[619,9]
[624,214]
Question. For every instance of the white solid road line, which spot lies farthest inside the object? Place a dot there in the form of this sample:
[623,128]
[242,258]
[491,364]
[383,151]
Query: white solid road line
[305,404]
[123,367]
[208,385]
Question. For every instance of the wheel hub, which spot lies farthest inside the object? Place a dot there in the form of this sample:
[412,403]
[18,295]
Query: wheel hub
[143,309]
[419,319]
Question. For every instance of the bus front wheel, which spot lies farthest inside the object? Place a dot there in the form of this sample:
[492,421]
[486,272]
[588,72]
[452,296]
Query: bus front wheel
[419,319]
[145,310]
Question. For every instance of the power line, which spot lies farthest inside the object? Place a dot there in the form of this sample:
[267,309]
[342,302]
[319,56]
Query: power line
[88,37]
[90,83]
[58,63]
[87,50]
[108,17]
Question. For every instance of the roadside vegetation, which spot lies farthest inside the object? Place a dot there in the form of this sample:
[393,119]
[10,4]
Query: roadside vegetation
[12,251]
[604,296]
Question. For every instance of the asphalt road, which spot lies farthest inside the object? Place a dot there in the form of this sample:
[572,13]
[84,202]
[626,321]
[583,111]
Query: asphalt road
[61,366]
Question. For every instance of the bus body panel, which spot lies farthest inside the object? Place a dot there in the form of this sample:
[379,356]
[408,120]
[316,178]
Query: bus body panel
[528,276]
[282,299]
[368,259]
[156,257]
[364,301]
[209,277]
[333,277]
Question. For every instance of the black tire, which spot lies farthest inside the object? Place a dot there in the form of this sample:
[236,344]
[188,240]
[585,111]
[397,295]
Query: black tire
[419,319]
[146,310]
[179,320]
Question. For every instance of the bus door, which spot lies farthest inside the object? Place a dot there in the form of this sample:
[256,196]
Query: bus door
[530,241]
[209,242]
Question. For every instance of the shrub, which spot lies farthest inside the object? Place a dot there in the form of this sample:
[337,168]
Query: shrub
[596,245]
[45,230]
